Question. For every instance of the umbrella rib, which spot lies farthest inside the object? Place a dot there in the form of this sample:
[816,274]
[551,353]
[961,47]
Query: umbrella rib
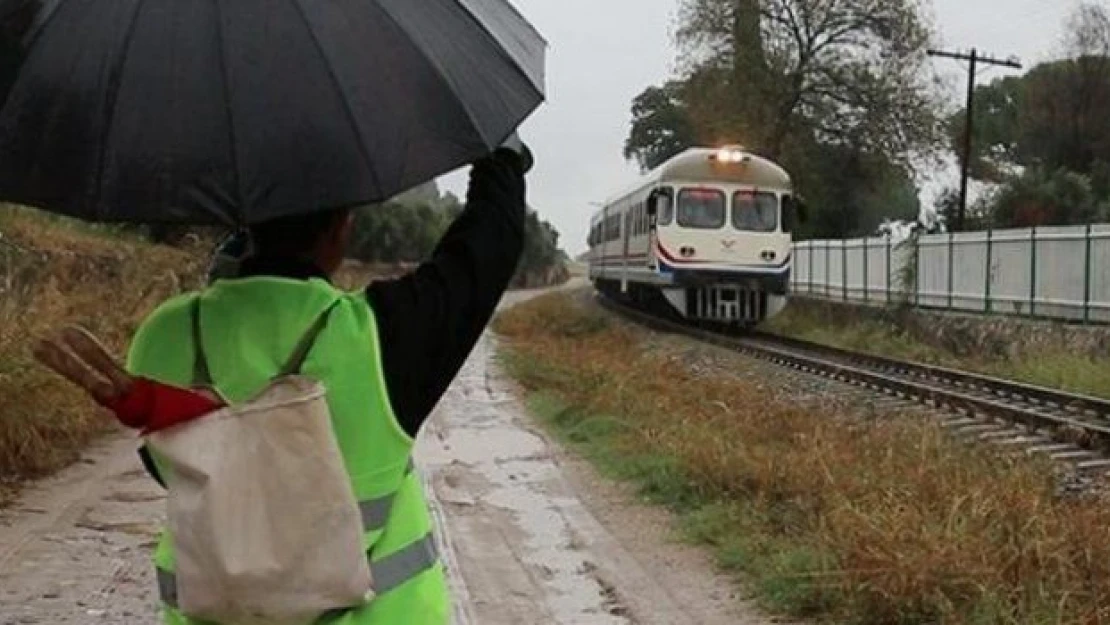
[43,19]
[351,119]
[503,50]
[233,146]
[114,80]
[442,76]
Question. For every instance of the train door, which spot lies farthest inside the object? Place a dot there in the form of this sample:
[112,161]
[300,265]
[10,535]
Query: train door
[625,239]
[659,212]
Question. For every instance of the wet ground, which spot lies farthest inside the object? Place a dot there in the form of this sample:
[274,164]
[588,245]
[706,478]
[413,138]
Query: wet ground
[529,534]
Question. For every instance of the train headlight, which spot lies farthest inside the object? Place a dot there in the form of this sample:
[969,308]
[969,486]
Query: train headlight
[730,155]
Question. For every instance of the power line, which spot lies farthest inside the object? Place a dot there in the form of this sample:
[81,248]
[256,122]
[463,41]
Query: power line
[974,59]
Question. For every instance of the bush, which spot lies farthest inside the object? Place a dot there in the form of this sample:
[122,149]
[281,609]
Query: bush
[1050,198]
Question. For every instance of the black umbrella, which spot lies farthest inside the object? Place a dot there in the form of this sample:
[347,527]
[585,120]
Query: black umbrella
[237,111]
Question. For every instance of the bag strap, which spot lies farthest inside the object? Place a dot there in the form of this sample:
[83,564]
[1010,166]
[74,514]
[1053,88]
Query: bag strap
[202,376]
[305,345]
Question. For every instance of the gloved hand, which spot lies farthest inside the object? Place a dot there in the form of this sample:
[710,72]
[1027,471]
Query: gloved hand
[516,146]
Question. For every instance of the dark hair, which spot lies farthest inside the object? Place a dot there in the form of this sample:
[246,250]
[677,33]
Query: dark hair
[296,234]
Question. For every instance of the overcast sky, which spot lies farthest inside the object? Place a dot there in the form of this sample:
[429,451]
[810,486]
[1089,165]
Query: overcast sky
[604,52]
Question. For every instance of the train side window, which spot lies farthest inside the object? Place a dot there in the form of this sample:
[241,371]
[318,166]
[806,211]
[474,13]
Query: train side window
[755,211]
[664,207]
[790,213]
[701,208]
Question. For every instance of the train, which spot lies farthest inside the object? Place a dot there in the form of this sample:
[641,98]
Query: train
[707,236]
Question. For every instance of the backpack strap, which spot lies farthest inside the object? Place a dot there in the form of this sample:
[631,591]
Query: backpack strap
[202,376]
[305,345]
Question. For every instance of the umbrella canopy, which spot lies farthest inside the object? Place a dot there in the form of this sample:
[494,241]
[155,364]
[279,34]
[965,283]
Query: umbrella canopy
[238,111]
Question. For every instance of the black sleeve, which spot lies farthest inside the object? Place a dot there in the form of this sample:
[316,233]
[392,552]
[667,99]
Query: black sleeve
[430,320]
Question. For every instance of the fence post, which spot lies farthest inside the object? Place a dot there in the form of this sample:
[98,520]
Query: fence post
[828,268]
[844,268]
[951,268]
[809,244]
[1033,273]
[866,278]
[1087,277]
[917,271]
[987,296]
[889,269]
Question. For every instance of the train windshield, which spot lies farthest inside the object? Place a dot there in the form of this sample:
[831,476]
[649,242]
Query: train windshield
[755,212]
[701,208]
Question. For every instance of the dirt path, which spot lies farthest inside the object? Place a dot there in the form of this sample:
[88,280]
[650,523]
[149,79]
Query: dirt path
[538,539]
[529,534]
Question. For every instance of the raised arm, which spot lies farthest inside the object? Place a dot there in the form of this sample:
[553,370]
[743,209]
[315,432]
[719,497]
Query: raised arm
[430,320]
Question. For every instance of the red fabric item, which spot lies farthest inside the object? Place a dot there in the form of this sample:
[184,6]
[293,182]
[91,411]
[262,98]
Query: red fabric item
[152,406]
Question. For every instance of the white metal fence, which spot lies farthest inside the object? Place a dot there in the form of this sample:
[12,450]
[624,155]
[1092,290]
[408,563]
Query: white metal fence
[1057,273]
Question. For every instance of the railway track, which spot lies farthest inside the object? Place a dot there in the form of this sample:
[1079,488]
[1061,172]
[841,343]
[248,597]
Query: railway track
[1071,429]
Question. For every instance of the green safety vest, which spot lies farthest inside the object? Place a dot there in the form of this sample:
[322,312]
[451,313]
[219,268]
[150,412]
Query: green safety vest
[248,329]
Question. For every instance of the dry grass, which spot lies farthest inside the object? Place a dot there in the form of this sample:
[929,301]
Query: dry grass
[53,273]
[826,516]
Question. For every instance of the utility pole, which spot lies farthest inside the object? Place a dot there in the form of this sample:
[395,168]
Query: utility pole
[974,59]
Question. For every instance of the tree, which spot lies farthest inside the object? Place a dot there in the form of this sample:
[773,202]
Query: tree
[837,71]
[850,193]
[407,228]
[661,126]
[832,89]
[1053,117]
[541,251]
[404,229]
[1050,122]
[1048,198]
[997,129]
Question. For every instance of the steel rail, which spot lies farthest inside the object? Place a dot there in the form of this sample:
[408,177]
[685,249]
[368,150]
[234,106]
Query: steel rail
[1036,407]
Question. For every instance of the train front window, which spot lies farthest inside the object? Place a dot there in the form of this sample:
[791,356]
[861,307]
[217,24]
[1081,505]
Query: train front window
[701,208]
[755,212]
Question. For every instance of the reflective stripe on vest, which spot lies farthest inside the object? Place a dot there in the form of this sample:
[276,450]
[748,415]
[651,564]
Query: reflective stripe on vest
[389,572]
[375,512]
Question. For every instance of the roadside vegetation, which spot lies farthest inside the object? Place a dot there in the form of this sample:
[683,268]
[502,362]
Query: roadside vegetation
[823,515]
[407,228]
[1055,366]
[54,272]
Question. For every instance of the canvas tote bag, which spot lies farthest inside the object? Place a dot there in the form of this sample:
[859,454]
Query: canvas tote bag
[264,521]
